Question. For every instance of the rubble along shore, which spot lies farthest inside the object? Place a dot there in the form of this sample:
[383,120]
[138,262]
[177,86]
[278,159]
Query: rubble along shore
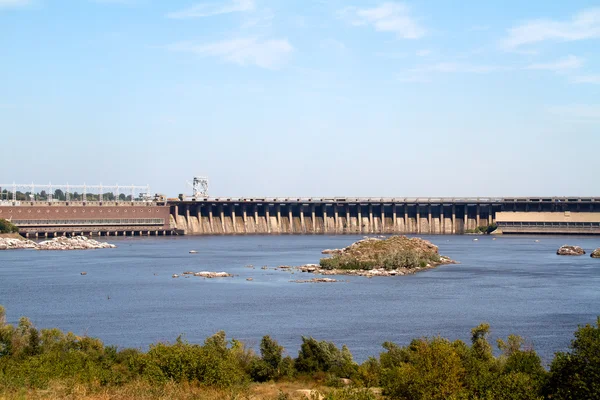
[59,243]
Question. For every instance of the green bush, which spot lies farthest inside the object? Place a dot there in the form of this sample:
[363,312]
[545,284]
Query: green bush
[576,374]
[7,227]
[315,356]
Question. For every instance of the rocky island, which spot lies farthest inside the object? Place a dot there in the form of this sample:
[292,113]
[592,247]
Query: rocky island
[397,255]
[567,250]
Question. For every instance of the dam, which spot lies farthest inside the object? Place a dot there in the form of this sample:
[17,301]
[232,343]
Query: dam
[53,210]
[430,216]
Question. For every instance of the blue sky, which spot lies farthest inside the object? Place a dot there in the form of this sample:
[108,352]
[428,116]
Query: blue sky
[303,98]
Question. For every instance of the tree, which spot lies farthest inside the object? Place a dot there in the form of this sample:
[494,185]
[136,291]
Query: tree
[432,370]
[59,195]
[7,227]
[576,374]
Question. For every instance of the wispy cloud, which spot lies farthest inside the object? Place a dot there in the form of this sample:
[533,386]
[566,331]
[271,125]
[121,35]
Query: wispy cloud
[14,3]
[569,63]
[387,17]
[454,67]
[579,112]
[270,54]
[424,53]
[208,9]
[593,79]
[584,25]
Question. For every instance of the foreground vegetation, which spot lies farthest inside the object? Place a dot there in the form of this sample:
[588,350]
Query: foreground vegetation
[393,253]
[48,363]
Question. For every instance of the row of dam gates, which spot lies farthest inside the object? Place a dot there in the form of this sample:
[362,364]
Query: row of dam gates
[218,216]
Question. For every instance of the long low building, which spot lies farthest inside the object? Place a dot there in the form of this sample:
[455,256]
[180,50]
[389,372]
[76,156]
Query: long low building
[42,219]
[548,222]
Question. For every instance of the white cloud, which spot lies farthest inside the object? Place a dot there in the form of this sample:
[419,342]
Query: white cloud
[571,62]
[387,17]
[208,9]
[584,25]
[594,79]
[580,112]
[14,3]
[424,53]
[271,54]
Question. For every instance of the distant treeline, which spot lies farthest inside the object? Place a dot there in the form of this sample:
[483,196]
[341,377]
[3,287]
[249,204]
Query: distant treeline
[428,368]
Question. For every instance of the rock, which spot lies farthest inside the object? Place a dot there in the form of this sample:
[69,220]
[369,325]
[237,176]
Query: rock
[188,273]
[316,280]
[264,267]
[73,243]
[331,251]
[309,268]
[595,253]
[11,243]
[175,276]
[345,381]
[567,250]
[193,252]
[249,279]
[84,273]
[309,394]
[210,275]
[250,266]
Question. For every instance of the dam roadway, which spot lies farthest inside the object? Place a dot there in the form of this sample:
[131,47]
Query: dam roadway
[343,215]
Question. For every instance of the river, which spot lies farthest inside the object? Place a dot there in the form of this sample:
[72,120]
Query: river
[128,298]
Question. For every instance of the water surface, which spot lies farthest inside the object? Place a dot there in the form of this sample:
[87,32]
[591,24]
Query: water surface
[129,299]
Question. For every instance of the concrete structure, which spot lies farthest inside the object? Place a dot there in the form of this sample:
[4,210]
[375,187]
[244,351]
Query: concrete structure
[240,216]
[49,219]
[548,222]
[367,215]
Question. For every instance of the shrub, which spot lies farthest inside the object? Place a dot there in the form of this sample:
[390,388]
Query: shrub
[315,356]
[431,369]
[576,374]
[7,227]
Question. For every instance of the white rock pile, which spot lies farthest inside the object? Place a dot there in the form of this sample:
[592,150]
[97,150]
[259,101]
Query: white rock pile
[15,244]
[73,243]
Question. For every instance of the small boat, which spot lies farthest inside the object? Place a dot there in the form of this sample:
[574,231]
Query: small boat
[193,252]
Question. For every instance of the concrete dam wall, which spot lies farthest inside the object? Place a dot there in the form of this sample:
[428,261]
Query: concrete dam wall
[323,217]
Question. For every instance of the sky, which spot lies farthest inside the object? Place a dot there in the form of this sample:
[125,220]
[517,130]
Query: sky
[304,97]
